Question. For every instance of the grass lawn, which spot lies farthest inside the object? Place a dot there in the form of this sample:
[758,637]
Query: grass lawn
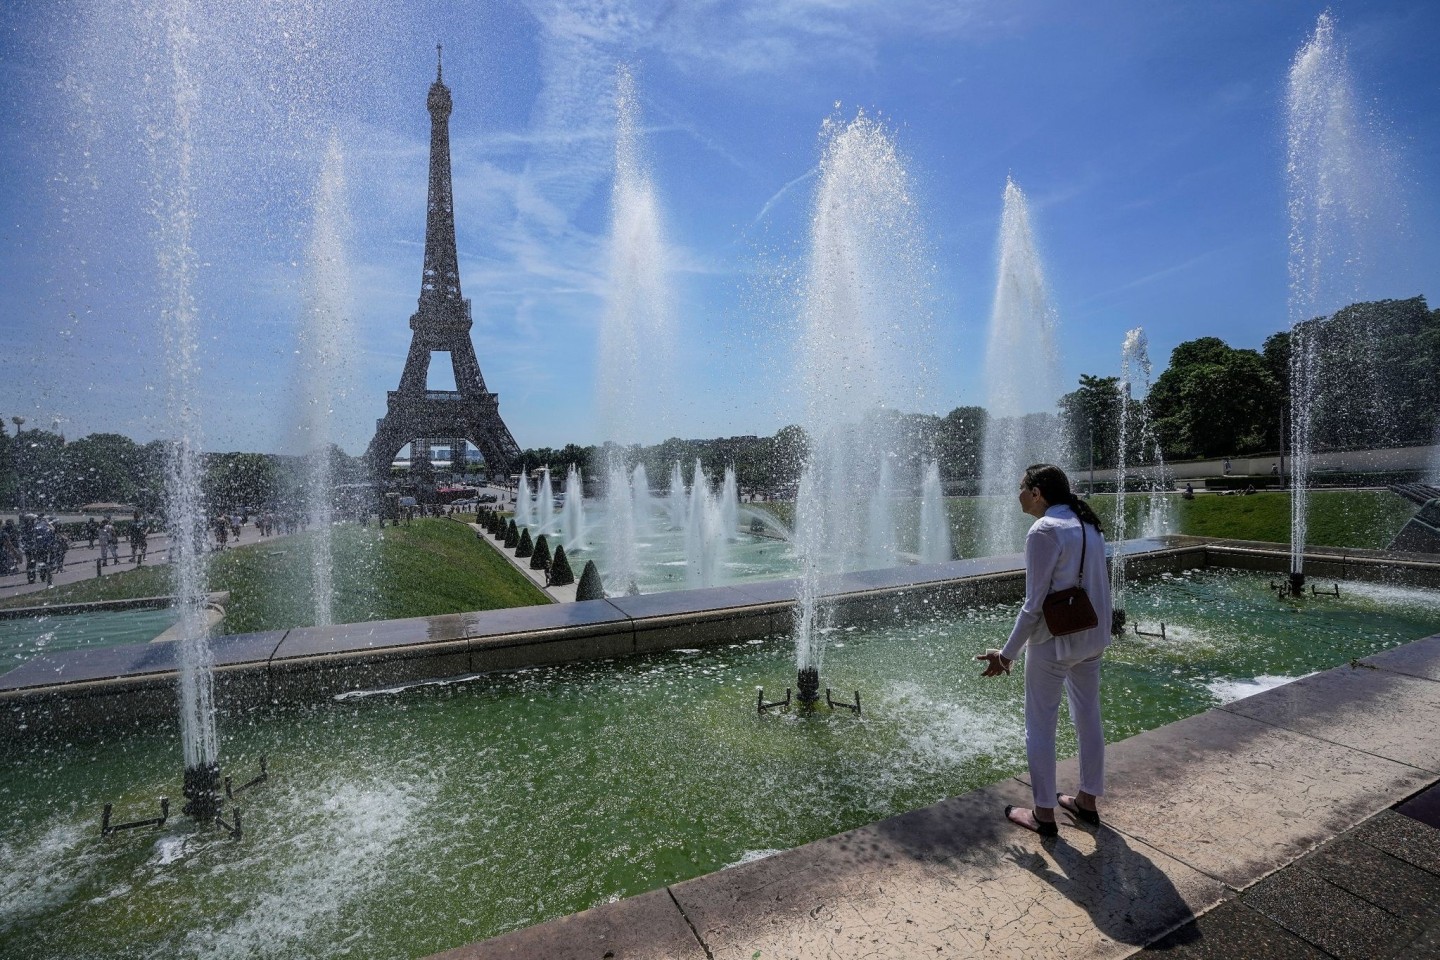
[1366,519]
[430,567]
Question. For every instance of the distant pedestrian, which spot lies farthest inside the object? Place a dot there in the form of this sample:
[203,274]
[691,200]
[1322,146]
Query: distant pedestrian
[92,530]
[1227,466]
[109,545]
[10,554]
[139,542]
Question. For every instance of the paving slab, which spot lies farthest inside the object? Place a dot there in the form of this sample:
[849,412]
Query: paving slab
[375,635]
[680,601]
[1418,659]
[551,616]
[1379,712]
[1400,889]
[770,591]
[1241,798]
[647,927]
[1406,839]
[1230,931]
[1338,922]
[951,880]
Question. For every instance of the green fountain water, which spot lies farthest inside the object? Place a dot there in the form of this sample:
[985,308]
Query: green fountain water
[400,822]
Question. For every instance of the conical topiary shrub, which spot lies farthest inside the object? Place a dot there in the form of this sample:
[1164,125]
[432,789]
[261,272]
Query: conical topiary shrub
[540,559]
[497,525]
[560,572]
[591,586]
[512,536]
[526,546]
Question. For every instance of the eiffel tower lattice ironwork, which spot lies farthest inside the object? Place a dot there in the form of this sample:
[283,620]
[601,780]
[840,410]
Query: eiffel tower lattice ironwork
[415,414]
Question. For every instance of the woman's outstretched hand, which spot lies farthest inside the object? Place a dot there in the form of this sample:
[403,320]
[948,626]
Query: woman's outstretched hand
[995,664]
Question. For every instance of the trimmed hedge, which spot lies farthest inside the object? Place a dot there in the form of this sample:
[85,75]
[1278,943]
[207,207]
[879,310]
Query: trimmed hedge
[526,546]
[560,572]
[540,559]
[591,586]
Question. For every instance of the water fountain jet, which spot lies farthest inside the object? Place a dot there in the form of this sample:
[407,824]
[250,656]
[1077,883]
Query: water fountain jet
[1021,375]
[861,315]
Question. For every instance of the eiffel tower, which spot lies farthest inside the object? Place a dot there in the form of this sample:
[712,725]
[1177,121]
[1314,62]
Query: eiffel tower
[414,414]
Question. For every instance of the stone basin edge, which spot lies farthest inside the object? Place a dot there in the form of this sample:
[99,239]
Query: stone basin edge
[122,685]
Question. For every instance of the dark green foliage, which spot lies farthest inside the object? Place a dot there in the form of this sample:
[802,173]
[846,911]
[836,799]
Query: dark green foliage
[1215,401]
[540,559]
[560,572]
[1092,419]
[512,536]
[591,586]
[526,546]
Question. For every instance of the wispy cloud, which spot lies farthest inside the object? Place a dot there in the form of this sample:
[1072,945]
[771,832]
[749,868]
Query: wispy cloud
[775,198]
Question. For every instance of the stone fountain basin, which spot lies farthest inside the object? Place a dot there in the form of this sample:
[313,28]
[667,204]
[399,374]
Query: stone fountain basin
[408,814]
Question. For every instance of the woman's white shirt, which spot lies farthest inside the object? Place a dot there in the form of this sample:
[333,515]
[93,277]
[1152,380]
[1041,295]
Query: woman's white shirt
[1052,562]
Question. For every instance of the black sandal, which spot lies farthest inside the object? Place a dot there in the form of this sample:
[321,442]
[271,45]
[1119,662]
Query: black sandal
[1072,806]
[1046,828]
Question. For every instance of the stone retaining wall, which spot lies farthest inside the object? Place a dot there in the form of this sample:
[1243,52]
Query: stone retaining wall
[135,684]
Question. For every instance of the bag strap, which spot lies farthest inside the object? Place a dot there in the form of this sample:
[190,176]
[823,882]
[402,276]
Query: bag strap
[1084,542]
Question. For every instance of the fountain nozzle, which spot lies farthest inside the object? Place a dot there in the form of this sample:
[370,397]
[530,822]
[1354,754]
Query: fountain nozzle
[808,686]
[202,792]
[1297,582]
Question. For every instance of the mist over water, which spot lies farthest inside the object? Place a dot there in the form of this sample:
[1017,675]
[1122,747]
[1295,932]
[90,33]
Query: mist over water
[1022,375]
[864,322]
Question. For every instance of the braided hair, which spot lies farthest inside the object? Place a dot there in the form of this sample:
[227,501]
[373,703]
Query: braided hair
[1054,486]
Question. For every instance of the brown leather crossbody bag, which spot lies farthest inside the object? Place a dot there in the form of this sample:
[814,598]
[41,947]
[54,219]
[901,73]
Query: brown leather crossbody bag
[1070,611]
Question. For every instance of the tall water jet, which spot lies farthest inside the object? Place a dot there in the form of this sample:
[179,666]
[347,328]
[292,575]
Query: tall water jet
[573,514]
[935,544]
[635,329]
[864,319]
[545,503]
[324,344]
[729,501]
[675,505]
[644,504]
[1334,177]
[172,160]
[881,547]
[620,529]
[1137,434]
[704,535]
[524,501]
[1022,377]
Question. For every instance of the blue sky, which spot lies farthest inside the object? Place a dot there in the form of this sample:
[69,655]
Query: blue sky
[1148,136]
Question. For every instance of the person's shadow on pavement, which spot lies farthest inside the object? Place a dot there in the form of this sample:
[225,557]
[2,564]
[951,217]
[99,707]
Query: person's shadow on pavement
[1128,898]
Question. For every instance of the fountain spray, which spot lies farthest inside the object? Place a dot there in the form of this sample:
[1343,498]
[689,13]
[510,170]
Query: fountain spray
[1021,375]
[635,329]
[1334,181]
[863,321]
[323,350]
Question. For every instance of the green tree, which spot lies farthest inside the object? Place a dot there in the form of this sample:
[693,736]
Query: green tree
[104,467]
[1091,418]
[1214,401]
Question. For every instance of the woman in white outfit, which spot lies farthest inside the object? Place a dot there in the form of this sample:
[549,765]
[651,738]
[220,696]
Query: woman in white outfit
[1053,553]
